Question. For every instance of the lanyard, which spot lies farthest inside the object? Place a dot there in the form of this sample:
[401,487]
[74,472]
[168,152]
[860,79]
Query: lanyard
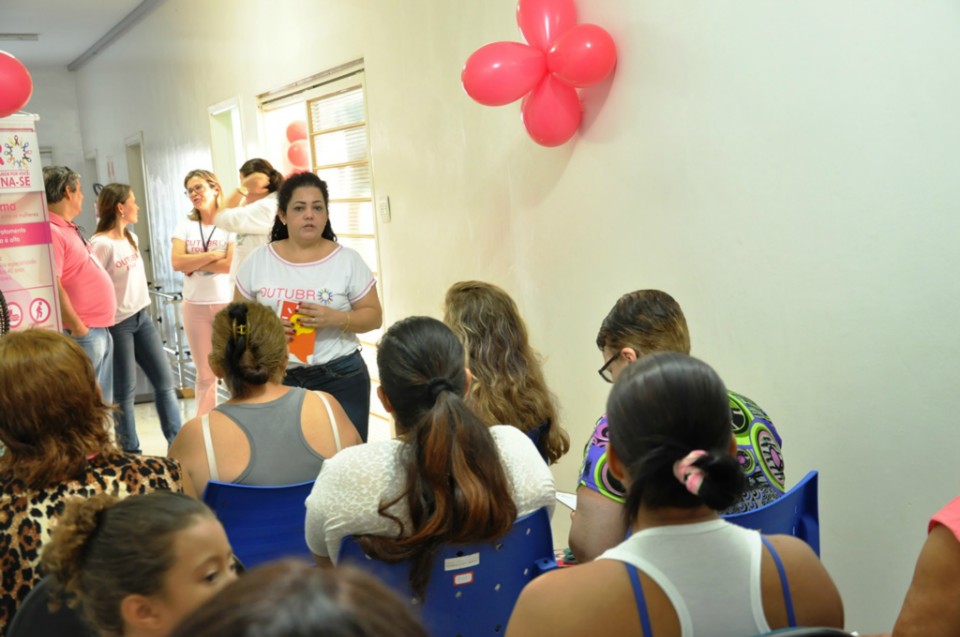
[205,241]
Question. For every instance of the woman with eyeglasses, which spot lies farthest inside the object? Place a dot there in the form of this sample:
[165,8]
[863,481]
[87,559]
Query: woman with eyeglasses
[203,253]
[639,324]
[136,341]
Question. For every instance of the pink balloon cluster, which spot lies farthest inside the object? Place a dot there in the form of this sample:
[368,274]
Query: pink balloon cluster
[298,148]
[559,56]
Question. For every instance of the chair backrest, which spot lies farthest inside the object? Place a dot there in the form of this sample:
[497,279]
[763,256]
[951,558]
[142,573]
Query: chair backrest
[794,513]
[807,631]
[472,588]
[262,523]
[33,617]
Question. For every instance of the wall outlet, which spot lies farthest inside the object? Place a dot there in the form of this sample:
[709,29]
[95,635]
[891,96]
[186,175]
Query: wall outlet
[383,207]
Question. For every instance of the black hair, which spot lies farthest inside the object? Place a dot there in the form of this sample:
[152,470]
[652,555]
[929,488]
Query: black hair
[258,165]
[661,408]
[300,180]
[291,599]
[456,489]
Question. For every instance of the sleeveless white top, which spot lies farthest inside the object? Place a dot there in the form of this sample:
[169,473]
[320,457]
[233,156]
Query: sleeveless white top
[710,571]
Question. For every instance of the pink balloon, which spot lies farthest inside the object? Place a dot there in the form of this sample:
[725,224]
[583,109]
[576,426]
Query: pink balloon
[552,112]
[16,85]
[583,56]
[542,22]
[296,131]
[502,72]
[299,154]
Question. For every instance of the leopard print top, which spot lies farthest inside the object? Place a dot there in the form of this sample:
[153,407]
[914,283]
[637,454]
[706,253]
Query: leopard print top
[26,514]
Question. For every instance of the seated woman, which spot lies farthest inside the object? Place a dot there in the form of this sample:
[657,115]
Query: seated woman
[508,386]
[292,599]
[54,425]
[641,323]
[447,478]
[684,570]
[138,566]
[930,607]
[267,433]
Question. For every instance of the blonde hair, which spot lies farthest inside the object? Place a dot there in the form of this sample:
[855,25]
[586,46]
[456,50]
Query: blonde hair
[249,346]
[508,386]
[212,181]
[52,415]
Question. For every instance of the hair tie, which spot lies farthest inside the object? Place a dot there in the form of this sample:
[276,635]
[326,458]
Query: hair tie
[240,332]
[687,473]
[438,385]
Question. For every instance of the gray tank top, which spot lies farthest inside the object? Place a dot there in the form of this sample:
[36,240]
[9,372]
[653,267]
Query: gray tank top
[279,454]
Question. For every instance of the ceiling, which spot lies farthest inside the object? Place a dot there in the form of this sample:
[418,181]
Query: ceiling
[67,28]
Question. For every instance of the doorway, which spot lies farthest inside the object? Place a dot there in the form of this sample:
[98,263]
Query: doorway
[89,180]
[226,142]
[136,172]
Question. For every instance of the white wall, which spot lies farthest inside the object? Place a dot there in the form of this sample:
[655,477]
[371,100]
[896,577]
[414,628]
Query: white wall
[54,99]
[785,170]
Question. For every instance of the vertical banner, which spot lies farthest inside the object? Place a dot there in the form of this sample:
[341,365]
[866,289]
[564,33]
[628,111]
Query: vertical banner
[26,257]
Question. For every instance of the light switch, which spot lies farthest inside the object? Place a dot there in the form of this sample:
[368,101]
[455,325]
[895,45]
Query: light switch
[383,206]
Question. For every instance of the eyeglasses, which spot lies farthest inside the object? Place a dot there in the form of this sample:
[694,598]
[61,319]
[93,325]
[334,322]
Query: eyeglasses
[605,372]
[195,190]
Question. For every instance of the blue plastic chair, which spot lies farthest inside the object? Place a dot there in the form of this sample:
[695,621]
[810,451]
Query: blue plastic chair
[794,513]
[472,588]
[262,523]
[33,617]
[801,631]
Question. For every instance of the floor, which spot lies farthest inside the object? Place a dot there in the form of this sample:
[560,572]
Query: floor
[153,443]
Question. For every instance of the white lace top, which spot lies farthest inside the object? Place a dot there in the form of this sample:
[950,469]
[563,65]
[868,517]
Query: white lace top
[353,483]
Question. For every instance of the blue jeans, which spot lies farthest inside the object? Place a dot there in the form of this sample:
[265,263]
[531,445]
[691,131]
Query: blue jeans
[136,342]
[98,344]
[346,379]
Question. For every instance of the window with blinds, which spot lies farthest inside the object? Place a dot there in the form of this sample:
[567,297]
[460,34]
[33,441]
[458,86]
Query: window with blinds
[332,104]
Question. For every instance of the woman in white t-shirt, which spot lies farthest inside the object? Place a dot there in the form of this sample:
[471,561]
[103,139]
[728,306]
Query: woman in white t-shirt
[203,253]
[324,293]
[135,338]
[251,209]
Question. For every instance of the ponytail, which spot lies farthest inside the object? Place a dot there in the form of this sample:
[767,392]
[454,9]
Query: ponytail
[456,490]
[670,427]
[249,346]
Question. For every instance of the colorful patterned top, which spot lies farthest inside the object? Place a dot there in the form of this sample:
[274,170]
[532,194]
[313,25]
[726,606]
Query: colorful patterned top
[758,451]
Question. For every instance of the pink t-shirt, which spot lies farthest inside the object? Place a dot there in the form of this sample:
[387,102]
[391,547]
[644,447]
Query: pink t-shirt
[948,516]
[85,281]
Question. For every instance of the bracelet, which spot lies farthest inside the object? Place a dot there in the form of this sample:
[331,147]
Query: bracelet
[346,325]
